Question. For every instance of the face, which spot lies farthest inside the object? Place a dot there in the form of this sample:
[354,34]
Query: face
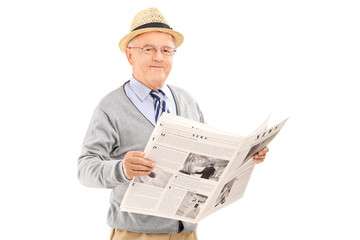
[151,70]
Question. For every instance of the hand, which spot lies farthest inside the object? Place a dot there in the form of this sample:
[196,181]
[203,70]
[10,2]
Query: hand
[260,156]
[136,165]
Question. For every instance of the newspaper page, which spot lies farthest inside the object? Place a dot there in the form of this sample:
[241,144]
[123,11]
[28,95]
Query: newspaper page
[234,185]
[198,170]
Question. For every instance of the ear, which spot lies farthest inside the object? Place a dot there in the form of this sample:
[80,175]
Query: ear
[129,56]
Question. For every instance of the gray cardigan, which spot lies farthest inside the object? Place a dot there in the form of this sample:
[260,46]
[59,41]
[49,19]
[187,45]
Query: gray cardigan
[117,127]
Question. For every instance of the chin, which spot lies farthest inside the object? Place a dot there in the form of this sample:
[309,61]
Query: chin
[155,83]
[160,79]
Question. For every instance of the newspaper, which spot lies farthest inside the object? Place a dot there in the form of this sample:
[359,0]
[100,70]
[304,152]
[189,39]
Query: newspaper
[199,169]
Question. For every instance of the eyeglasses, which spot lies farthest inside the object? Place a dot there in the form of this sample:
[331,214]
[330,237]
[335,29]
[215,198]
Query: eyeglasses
[151,50]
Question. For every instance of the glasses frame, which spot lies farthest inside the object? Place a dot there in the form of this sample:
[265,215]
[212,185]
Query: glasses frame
[173,50]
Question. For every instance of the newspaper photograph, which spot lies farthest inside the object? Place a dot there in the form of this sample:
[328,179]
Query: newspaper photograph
[199,169]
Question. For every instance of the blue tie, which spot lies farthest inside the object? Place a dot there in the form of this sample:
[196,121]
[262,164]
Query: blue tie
[159,104]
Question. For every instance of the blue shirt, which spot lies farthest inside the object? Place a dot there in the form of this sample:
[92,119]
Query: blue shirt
[139,94]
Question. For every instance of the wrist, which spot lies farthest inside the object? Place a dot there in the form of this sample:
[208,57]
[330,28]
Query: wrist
[124,172]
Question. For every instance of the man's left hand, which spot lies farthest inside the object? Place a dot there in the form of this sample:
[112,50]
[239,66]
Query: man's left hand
[260,156]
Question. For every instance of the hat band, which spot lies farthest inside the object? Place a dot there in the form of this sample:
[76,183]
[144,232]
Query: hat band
[153,25]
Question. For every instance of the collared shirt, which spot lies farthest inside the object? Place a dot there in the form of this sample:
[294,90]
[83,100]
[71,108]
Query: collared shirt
[140,96]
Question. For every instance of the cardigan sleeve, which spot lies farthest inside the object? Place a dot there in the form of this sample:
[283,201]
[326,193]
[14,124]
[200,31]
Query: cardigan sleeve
[95,168]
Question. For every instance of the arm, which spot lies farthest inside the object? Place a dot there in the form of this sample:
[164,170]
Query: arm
[95,168]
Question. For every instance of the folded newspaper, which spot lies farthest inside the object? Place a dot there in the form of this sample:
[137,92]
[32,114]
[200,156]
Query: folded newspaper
[199,169]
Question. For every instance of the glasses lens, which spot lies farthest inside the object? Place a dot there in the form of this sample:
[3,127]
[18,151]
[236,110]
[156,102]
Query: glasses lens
[149,50]
[167,51]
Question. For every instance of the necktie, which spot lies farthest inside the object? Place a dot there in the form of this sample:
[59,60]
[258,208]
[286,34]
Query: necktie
[159,104]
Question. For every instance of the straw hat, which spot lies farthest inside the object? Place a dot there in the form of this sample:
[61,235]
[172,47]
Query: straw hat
[149,20]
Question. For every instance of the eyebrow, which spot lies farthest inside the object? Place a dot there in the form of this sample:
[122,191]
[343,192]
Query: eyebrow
[151,45]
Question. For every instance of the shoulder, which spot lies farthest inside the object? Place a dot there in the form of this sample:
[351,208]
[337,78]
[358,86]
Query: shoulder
[181,93]
[187,104]
[115,100]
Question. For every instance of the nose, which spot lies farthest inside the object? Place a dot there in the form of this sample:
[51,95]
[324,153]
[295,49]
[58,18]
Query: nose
[158,56]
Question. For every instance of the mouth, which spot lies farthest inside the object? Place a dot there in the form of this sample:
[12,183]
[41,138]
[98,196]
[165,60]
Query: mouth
[158,67]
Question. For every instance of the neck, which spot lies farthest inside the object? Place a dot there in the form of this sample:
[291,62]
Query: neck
[153,85]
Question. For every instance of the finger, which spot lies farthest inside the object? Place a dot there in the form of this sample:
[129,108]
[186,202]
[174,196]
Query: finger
[131,156]
[143,162]
[260,158]
[139,173]
[137,154]
[135,167]
[262,152]
[140,161]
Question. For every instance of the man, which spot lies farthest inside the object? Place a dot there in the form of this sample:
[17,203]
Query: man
[124,120]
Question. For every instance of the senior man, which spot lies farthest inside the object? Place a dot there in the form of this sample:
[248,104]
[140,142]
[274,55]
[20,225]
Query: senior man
[124,120]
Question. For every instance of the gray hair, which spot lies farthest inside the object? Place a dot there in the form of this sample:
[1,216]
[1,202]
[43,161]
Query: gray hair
[132,41]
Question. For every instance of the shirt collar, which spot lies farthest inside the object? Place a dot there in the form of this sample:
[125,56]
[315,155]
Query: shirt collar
[142,91]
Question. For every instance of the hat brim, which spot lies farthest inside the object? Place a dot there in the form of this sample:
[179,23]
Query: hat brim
[178,37]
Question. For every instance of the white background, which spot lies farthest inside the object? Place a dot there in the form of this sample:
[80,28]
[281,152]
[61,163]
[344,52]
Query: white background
[241,60]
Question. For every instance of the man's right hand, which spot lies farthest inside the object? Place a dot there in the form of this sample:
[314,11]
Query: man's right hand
[136,165]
